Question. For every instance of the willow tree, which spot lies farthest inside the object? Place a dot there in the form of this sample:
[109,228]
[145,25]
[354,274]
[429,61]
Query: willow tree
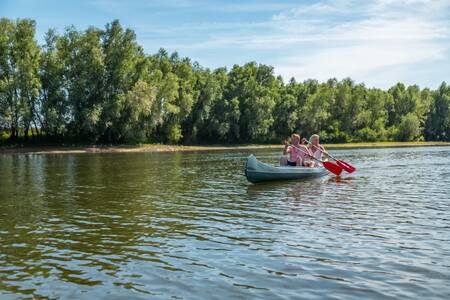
[84,69]
[256,89]
[54,107]
[286,110]
[8,105]
[437,125]
[19,78]
[125,65]
[204,122]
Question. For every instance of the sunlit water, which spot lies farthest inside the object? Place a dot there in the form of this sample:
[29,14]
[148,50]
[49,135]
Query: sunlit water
[189,226]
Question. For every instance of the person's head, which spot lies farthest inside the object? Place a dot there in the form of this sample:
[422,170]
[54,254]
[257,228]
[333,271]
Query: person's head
[295,138]
[315,139]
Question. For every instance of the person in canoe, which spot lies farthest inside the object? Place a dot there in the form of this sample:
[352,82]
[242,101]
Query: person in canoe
[314,147]
[297,153]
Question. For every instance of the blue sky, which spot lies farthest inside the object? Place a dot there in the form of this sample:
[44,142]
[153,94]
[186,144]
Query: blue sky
[379,42]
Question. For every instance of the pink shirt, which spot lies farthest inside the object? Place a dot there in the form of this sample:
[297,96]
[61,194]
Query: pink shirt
[296,152]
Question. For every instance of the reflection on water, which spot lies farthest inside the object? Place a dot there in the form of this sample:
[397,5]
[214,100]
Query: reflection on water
[341,179]
[185,224]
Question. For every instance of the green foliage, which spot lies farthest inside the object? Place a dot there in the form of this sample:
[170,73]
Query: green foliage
[174,134]
[19,80]
[98,85]
[53,103]
[135,109]
[3,136]
[285,112]
[437,126]
[409,128]
[256,89]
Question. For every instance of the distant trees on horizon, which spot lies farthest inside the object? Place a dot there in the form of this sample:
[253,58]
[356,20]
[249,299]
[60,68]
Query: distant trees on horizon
[98,86]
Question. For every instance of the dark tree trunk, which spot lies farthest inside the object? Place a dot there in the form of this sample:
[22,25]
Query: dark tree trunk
[25,133]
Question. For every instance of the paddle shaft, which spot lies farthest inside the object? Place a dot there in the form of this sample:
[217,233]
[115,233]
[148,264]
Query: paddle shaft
[306,153]
[328,154]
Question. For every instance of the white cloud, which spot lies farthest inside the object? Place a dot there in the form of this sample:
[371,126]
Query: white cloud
[320,40]
[393,36]
[359,62]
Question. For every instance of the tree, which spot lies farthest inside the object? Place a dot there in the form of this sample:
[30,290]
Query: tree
[373,117]
[19,80]
[255,89]
[54,109]
[203,123]
[285,111]
[314,114]
[8,105]
[409,127]
[437,126]
[26,56]
[186,97]
[165,106]
[83,61]
[135,110]
[124,65]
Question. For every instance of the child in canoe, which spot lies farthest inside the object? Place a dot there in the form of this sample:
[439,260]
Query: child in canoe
[297,153]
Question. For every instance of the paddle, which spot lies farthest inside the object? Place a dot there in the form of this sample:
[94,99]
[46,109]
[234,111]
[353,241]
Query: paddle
[337,170]
[344,165]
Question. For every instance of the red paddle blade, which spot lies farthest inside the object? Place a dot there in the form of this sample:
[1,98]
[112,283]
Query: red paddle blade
[335,169]
[346,166]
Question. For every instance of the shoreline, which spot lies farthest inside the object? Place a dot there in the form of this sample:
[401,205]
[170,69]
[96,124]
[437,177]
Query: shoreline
[76,149]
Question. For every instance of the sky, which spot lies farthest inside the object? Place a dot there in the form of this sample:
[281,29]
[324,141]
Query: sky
[375,42]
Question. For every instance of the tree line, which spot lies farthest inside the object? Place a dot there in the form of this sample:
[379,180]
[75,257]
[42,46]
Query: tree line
[99,86]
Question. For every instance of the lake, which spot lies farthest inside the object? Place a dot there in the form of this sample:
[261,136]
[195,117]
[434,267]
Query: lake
[190,226]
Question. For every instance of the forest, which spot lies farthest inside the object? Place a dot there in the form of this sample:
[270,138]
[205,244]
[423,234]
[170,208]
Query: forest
[99,86]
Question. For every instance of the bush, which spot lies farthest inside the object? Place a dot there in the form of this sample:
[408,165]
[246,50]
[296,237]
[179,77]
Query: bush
[3,137]
[175,134]
[366,135]
[409,128]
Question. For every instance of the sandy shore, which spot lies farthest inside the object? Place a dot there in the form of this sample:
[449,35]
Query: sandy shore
[179,148]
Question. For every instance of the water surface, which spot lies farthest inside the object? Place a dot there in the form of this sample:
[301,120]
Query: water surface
[189,226]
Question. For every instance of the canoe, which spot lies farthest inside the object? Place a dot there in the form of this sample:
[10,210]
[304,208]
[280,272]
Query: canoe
[257,171]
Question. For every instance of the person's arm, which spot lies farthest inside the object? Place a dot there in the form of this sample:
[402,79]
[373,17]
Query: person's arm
[324,152]
[286,147]
[307,150]
[318,147]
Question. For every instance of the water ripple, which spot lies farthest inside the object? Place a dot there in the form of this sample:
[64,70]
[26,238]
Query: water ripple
[183,225]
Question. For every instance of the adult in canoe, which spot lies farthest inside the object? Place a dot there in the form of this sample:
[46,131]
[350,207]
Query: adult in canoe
[297,153]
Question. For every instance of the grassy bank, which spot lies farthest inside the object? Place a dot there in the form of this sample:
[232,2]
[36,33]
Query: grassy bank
[51,149]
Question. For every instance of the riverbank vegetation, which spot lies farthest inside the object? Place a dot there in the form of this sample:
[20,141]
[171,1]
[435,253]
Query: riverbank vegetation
[98,86]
